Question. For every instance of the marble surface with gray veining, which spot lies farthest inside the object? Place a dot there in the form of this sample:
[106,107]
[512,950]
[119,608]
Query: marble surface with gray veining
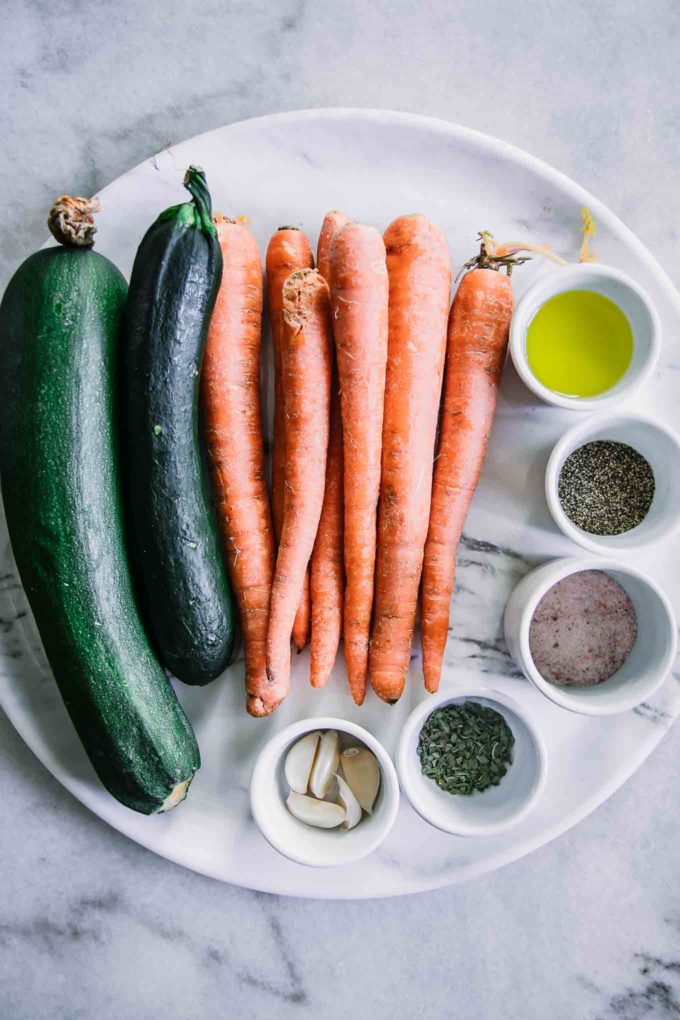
[588,928]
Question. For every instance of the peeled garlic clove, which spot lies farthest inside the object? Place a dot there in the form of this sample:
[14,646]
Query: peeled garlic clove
[299,761]
[351,805]
[315,812]
[325,764]
[362,773]
[332,791]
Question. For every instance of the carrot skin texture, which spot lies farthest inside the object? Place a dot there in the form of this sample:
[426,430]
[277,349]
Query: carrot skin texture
[420,283]
[303,616]
[333,223]
[288,251]
[327,568]
[327,572]
[359,295]
[233,434]
[479,326]
[306,363]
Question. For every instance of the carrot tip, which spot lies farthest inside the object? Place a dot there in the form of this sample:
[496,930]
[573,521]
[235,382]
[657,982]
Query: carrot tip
[431,675]
[259,708]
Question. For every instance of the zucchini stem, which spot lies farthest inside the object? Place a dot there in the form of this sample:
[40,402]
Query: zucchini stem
[195,183]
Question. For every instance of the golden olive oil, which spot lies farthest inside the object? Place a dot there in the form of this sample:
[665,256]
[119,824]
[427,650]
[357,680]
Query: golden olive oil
[579,343]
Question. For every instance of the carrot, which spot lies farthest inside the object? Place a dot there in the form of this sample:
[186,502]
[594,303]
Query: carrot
[478,331]
[333,223]
[420,282]
[233,433]
[303,616]
[327,574]
[288,250]
[306,374]
[359,291]
[327,570]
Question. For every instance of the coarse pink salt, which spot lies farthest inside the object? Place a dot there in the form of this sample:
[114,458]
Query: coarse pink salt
[583,630]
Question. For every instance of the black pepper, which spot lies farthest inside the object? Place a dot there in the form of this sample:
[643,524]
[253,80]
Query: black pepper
[606,487]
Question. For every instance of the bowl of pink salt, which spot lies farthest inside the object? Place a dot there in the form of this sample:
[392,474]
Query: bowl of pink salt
[595,636]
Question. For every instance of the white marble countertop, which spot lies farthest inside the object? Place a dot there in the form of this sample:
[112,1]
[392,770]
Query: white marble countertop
[91,924]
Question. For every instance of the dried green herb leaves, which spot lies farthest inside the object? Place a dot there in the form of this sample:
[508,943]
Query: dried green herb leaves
[465,748]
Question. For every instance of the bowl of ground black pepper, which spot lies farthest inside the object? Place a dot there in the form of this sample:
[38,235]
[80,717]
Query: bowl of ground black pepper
[595,636]
[471,760]
[613,483]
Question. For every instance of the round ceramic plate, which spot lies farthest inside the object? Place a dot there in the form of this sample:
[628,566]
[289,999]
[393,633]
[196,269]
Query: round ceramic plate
[292,168]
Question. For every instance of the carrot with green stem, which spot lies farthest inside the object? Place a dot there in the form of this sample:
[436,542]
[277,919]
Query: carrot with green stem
[327,573]
[233,433]
[420,282]
[478,330]
[306,373]
[287,252]
[359,296]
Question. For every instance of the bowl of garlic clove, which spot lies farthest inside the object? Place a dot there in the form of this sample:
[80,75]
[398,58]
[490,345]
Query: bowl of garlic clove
[324,792]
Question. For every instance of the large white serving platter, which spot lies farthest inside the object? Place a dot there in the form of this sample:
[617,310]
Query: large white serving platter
[292,168]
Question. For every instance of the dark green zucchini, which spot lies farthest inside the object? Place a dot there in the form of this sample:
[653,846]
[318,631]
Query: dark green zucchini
[186,595]
[60,321]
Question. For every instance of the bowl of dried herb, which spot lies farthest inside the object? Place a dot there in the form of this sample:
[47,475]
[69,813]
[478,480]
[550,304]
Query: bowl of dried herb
[471,761]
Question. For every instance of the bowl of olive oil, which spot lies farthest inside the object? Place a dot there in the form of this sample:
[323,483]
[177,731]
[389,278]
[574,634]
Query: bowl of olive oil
[584,337]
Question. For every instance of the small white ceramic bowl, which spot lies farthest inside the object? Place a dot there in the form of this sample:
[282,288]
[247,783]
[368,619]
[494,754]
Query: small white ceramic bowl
[496,809]
[661,449]
[644,670]
[305,843]
[624,292]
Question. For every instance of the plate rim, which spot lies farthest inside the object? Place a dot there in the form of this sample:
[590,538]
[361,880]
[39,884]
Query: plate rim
[104,807]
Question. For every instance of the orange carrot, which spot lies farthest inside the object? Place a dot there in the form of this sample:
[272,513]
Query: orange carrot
[420,283]
[233,433]
[327,574]
[333,223]
[359,291]
[306,373]
[478,331]
[303,616]
[288,250]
